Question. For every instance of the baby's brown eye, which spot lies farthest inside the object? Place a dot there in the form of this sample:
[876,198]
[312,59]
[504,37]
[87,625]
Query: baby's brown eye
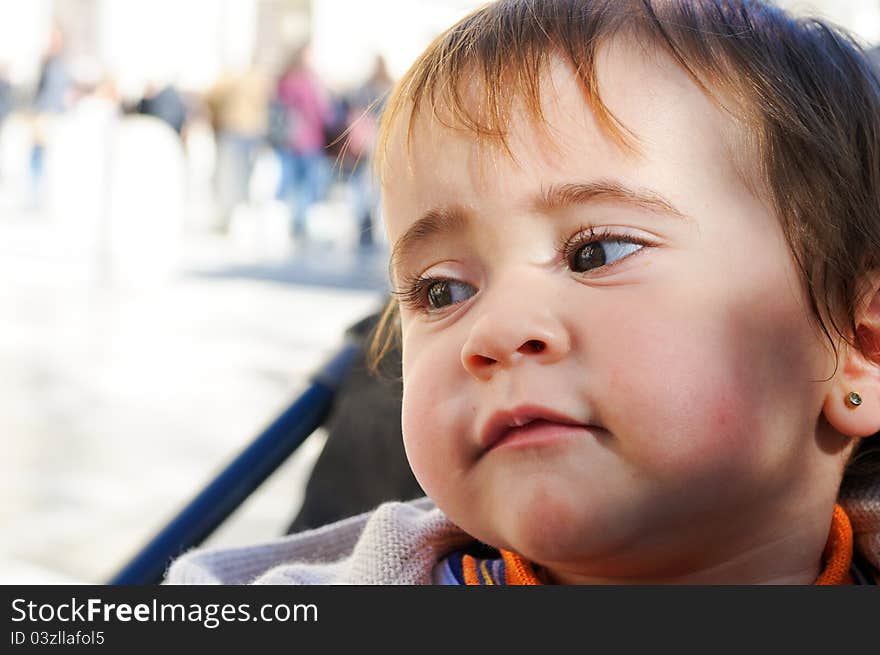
[588,257]
[599,253]
[442,293]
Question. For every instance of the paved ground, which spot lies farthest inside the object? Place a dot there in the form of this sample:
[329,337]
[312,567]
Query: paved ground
[118,401]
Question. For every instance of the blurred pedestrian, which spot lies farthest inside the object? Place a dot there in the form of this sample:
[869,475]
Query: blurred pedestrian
[7,93]
[166,103]
[7,106]
[53,96]
[364,108]
[239,107]
[307,111]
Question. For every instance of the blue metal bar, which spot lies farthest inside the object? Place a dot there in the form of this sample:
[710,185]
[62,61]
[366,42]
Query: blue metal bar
[241,477]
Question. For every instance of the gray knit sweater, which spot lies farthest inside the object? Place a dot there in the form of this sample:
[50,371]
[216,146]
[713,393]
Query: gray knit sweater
[398,543]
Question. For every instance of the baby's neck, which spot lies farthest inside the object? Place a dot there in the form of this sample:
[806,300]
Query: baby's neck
[741,572]
[792,557]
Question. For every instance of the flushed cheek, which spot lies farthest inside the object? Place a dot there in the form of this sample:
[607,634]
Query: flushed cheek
[723,393]
[677,407]
[434,413]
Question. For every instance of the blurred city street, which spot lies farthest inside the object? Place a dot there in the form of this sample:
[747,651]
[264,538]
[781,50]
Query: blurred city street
[120,401]
[188,225]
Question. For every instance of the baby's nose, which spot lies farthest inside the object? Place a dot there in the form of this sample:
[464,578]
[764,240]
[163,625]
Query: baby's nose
[500,339]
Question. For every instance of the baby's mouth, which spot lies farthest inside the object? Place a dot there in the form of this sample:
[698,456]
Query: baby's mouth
[528,425]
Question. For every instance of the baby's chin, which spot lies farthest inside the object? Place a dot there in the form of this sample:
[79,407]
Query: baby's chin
[546,526]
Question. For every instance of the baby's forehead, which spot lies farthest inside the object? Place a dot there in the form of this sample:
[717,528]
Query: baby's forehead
[642,99]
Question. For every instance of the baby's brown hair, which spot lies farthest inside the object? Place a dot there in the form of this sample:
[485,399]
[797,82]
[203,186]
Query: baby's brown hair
[802,92]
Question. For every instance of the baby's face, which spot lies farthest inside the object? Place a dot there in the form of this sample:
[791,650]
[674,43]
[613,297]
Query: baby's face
[640,314]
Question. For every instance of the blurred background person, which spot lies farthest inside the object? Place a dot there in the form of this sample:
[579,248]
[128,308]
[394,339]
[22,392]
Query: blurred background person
[364,107]
[239,108]
[306,112]
[7,93]
[7,106]
[165,102]
[53,97]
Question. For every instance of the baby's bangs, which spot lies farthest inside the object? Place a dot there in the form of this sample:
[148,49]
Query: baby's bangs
[492,63]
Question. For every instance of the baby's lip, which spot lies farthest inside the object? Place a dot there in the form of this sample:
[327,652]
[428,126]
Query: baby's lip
[502,422]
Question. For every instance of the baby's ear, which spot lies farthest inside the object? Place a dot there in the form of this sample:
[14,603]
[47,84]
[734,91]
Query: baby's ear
[852,406]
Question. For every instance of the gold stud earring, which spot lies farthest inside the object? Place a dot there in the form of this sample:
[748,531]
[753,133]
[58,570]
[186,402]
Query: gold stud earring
[853,399]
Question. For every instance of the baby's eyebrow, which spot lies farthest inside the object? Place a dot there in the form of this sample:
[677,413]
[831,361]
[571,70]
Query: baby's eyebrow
[434,222]
[557,196]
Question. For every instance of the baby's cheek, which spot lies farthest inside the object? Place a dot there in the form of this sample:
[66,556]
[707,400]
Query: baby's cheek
[429,419]
[685,412]
[725,434]
[417,421]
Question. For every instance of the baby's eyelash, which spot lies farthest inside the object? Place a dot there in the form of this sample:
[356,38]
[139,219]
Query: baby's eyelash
[568,246]
[411,293]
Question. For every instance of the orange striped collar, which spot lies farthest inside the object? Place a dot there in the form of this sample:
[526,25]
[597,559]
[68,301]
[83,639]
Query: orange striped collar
[838,553]
[837,559]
